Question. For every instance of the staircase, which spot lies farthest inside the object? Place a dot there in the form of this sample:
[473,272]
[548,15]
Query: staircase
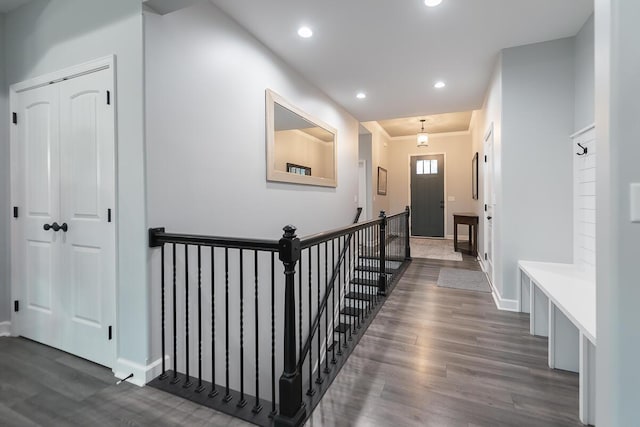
[236,314]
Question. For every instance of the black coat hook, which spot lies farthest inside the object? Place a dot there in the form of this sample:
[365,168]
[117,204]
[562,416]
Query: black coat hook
[585,150]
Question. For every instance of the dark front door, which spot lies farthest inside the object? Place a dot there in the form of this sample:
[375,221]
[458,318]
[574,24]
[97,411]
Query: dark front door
[427,195]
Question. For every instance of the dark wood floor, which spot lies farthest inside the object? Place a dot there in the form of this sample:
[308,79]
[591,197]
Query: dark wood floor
[445,357]
[432,357]
[41,386]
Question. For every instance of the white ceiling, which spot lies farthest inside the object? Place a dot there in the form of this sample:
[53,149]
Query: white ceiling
[9,5]
[394,50]
[437,123]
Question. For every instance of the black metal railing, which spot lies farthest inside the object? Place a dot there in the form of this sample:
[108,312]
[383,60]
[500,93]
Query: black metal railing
[304,319]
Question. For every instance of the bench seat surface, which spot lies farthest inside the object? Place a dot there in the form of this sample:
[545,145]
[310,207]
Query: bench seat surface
[572,290]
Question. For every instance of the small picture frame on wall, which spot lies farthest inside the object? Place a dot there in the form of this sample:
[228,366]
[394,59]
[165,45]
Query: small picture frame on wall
[382,181]
[474,177]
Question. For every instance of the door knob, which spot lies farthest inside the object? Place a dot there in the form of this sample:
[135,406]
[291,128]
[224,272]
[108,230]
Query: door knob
[489,218]
[55,227]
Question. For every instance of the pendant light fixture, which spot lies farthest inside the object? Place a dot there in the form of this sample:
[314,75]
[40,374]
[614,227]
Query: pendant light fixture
[423,137]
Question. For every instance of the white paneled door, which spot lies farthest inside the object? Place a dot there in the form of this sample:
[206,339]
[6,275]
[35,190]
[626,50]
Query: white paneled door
[65,230]
[489,204]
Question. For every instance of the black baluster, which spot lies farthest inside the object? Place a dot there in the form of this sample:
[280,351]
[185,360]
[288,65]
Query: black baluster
[300,306]
[175,379]
[348,285]
[257,407]
[213,392]
[358,271]
[311,391]
[242,401]
[318,314]
[200,388]
[372,246]
[227,395]
[338,285]
[164,368]
[273,338]
[407,247]
[333,305]
[326,307]
[344,284]
[188,382]
[382,279]
[367,261]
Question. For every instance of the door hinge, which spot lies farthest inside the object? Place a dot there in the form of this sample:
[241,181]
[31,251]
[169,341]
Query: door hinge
[108,215]
[110,332]
[14,118]
[485,256]
[485,207]
[485,158]
[15,212]
[16,306]
[108,97]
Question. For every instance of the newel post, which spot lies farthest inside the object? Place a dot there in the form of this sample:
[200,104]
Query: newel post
[407,247]
[292,410]
[382,278]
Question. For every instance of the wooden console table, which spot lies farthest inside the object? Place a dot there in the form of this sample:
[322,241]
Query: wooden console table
[471,220]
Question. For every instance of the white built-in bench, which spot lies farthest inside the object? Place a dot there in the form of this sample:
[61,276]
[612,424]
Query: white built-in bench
[561,300]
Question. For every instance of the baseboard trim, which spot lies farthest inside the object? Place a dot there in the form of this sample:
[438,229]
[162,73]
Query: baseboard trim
[502,304]
[5,329]
[141,374]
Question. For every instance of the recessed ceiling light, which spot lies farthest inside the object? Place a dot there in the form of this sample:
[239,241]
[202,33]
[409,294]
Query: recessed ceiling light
[305,32]
[432,3]
[361,95]
[439,85]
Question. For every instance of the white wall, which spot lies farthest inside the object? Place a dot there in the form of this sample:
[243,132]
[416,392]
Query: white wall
[618,133]
[48,35]
[536,217]
[457,150]
[584,92]
[5,207]
[379,158]
[529,104]
[206,81]
[205,118]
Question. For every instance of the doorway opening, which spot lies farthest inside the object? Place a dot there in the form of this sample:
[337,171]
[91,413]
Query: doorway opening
[365,161]
[427,195]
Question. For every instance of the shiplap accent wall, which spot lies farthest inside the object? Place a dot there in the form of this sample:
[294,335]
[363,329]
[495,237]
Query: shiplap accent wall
[584,190]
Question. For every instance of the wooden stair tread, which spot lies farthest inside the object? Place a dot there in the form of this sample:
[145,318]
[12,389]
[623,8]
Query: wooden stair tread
[342,328]
[376,269]
[352,311]
[359,296]
[365,282]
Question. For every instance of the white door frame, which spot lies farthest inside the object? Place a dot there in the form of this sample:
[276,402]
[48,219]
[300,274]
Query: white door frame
[486,199]
[104,63]
[446,203]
